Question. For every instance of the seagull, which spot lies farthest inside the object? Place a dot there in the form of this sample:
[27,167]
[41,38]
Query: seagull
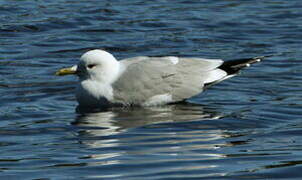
[147,81]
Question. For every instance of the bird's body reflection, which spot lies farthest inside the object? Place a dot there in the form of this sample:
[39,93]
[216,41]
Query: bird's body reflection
[99,129]
[159,136]
[115,119]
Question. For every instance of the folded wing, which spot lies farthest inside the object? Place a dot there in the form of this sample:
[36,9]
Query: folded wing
[149,78]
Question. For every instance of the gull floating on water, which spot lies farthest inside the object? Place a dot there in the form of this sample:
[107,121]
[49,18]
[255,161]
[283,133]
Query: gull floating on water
[147,81]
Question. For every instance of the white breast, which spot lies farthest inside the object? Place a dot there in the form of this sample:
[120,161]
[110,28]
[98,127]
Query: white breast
[91,93]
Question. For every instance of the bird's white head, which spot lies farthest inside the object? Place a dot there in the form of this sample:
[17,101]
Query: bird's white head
[98,65]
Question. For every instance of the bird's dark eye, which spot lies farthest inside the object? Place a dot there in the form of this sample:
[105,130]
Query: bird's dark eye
[90,66]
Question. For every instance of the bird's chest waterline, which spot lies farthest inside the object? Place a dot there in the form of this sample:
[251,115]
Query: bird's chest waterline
[93,93]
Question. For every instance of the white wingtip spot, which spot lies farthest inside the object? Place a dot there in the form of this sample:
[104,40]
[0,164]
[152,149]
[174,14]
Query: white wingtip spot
[248,65]
[258,60]
[173,59]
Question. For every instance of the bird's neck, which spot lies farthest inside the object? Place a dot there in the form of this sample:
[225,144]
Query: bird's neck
[110,73]
[91,90]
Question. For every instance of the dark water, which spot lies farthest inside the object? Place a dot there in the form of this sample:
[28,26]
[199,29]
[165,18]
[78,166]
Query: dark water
[248,127]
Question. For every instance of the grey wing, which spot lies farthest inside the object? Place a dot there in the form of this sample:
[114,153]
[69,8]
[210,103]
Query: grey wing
[142,79]
[194,74]
[207,70]
[146,77]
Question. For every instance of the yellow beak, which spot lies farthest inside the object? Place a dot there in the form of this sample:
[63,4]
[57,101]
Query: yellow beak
[67,71]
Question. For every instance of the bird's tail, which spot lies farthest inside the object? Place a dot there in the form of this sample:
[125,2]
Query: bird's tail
[233,67]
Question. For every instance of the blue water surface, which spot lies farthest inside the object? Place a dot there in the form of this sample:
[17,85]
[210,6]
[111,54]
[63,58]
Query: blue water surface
[248,127]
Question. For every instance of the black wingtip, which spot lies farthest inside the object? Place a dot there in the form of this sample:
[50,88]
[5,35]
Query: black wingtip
[234,66]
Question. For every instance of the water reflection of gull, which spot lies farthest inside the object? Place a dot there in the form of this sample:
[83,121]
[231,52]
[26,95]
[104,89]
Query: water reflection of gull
[117,119]
[159,135]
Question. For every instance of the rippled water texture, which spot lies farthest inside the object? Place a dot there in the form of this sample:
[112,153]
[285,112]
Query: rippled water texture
[248,127]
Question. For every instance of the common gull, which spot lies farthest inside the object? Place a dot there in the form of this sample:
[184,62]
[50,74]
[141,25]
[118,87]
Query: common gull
[147,81]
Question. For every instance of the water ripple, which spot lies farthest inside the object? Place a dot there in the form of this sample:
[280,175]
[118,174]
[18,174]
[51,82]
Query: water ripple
[247,127]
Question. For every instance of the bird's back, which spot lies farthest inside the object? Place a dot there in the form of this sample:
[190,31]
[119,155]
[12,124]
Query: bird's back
[149,79]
